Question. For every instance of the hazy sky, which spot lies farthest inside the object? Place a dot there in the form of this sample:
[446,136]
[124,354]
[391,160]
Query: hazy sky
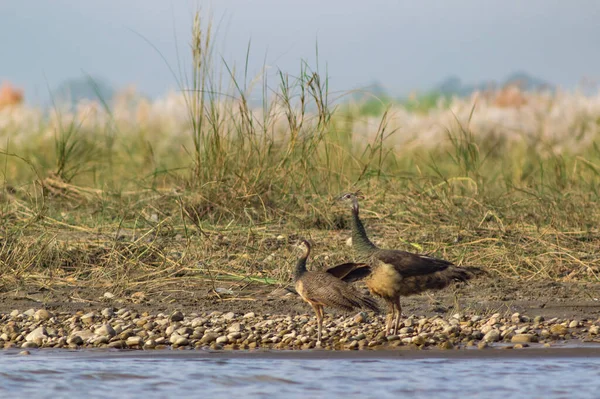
[405,45]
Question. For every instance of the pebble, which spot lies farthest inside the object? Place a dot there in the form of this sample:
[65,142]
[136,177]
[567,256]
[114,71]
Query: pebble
[235,327]
[106,330]
[134,341]
[101,340]
[222,340]
[88,318]
[75,340]
[209,338]
[181,341]
[237,335]
[229,316]
[523,338]
[150,344]
[446,345]
[36,335]
[559,329]
[361,318]
[359,337]
[492,336]
[116,344]
[42,315]
[176,316]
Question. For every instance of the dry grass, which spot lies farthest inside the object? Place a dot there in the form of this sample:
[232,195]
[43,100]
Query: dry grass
[199,186]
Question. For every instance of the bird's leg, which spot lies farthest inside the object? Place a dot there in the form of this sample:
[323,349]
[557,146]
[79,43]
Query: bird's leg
[317,310]
[320,324]
[390,318]
[398,316]
[456,299]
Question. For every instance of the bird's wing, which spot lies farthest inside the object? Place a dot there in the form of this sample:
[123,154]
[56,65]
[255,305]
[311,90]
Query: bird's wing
[324,288]
[409,264]
[350,272]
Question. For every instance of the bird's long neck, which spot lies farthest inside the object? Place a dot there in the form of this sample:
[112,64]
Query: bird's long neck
[360,240]
[301,265]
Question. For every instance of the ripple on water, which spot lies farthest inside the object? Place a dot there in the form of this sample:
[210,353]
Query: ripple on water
[107,376]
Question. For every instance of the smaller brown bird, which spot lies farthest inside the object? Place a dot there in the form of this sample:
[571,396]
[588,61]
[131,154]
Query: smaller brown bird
[330,287]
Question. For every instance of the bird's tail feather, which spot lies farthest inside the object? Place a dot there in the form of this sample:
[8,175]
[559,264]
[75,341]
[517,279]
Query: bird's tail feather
[370,303]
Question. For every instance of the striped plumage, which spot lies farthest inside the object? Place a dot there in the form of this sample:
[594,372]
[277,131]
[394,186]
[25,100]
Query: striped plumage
[331,287]
[396,273]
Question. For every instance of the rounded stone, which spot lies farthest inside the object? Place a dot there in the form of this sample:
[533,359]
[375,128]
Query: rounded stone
[229,316]
[446,345]
[559,329]
[523,338]
[36,335]
[150,344]
[134,341]
[106,330]
[574,324]
[75,340]
[360,318]
[208,338]
[88,318]
[181,341]
[176,316]
[222,340]
[235,327]
[492,336]
[42,315]
[119,344]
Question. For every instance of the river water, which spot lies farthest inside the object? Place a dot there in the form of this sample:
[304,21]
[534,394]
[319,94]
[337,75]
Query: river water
[531,373]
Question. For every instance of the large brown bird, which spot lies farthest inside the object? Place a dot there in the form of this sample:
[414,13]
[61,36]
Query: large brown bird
[396,273]
[331,287]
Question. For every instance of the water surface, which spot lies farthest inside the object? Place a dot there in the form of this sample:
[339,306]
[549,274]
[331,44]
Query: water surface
[194,374]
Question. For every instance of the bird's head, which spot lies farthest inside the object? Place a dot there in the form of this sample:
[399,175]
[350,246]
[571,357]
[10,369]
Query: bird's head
[304,246]
[351,198]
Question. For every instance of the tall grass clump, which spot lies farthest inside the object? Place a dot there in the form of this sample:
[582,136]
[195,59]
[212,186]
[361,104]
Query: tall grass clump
[273,156]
